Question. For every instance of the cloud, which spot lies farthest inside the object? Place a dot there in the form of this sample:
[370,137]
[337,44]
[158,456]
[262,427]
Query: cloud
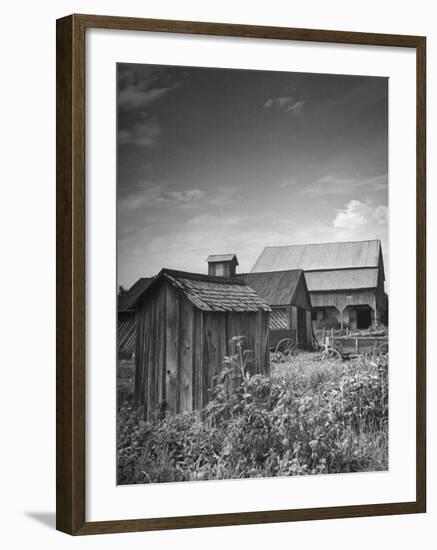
[206,221]
[357,214]
[185,245]
[139,86]
[154,195]
[151,195]
[134,97]
[142,134]
[343,184]
[288,183]
[285,103]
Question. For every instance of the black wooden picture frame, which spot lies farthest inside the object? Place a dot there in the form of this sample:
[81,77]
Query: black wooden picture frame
[71,248]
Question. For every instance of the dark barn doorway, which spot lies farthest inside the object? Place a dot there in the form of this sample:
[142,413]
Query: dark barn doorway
[364,318]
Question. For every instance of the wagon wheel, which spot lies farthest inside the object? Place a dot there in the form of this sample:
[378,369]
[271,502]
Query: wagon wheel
[331,353]
[285,349]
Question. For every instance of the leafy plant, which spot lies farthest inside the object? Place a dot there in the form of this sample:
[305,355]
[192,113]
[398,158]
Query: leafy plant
[308,417]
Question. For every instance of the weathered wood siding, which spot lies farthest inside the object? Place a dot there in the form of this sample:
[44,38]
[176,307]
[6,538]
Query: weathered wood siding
[309,329]
[301,297]
[180,349]
[126,333]
[342,299]
[380,296]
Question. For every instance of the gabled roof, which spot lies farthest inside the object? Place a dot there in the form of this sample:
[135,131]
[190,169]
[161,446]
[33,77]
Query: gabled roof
[324,256]
[213,258]
[210,293]
[342,279]
[276,288]
[126,302]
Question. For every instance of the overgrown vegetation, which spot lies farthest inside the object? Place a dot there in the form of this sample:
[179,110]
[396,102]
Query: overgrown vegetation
[308,417]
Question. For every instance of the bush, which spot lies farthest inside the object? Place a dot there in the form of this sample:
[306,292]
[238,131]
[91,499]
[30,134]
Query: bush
[308,417]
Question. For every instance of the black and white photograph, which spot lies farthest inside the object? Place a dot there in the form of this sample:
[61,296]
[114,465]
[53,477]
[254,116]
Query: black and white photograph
[252,274]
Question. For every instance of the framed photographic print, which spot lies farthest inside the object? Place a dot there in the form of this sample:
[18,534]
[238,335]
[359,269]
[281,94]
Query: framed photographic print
[240,274]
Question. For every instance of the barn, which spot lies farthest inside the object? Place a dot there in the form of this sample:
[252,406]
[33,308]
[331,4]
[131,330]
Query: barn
[126,317]
[184,323]
[345,280]
[287,294]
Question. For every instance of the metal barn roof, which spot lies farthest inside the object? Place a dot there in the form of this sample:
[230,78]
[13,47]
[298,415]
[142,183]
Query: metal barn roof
[126,301]
[319,256]
[276,288]
[210,293]
[342,279]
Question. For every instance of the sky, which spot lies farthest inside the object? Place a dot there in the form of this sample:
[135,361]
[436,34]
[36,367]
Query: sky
[214,161]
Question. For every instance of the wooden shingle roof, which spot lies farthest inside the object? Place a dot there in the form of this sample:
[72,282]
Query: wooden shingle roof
[211,293]
[321,256]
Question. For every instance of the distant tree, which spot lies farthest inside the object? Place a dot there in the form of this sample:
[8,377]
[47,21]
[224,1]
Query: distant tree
[121,290]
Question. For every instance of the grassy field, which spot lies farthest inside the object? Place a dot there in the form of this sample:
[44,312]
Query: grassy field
[311,416]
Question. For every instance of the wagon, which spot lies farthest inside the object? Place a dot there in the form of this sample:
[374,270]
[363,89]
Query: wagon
[289,330]
[282,343]
[347,347]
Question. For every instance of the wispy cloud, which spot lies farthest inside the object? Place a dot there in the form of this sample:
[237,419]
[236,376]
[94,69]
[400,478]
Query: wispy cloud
[141,134]
[285,103]
[153,195]
[133,96]
[140,87]
[206,221]
[288,183]
[340,184]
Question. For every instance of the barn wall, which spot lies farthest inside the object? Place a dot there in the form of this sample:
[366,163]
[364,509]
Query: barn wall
[309,329]
[219,329]
[172,349]
[214,348]
[380,295]
[301,297]
[150,356]
[343,298]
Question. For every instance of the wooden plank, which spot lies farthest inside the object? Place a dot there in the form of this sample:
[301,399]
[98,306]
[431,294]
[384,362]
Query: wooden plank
[151,357]
[266,370]
[248,330]
[294,323]
[309,327]
[222,343]
[138,357]
[209,355]
[197,360]
[215,347]
[172,347]
[205,357]
[160,379]
[186,356]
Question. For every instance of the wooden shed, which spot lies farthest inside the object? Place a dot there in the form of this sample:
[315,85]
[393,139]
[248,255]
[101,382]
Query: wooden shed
[345,280]
[287,294]
[184,323]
